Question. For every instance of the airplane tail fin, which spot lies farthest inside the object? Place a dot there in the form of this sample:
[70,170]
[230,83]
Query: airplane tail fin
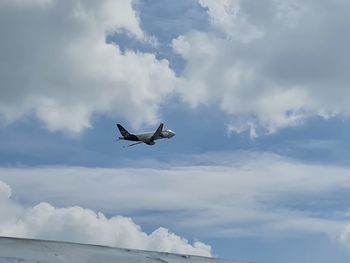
[123,131]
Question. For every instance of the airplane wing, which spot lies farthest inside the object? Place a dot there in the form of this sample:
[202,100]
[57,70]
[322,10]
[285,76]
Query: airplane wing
[133,144]
[157,133]
[18,250]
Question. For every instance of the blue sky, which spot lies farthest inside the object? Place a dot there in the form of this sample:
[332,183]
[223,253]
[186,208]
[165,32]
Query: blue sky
[257,93]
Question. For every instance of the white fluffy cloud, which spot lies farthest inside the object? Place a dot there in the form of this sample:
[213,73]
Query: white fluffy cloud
[55,63]
[85,226]
[238,195]
[226,16]
[269,64]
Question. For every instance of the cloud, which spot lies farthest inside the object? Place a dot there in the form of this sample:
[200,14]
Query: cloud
[266,64]
[243,194]
[5,191]
[272,62]
[226,16]
[78,224]
[345,236]
[56,64]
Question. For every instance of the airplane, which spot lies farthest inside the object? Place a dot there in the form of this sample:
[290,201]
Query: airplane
[147,138]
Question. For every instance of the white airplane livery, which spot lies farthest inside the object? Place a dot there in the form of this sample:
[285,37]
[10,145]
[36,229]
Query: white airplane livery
[147,138]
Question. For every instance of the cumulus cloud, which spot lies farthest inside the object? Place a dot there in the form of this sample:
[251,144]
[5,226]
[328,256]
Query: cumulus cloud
[56,64]
[226,16]
[234,195]
[267,64]
[78,224]
[271,63]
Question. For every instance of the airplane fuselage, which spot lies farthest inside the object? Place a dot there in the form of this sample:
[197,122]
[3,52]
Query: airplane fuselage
[148,138]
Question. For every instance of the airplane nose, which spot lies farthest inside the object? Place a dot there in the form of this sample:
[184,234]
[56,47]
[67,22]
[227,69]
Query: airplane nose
[172,134]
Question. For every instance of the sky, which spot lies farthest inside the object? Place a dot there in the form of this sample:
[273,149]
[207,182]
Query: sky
[256,91]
